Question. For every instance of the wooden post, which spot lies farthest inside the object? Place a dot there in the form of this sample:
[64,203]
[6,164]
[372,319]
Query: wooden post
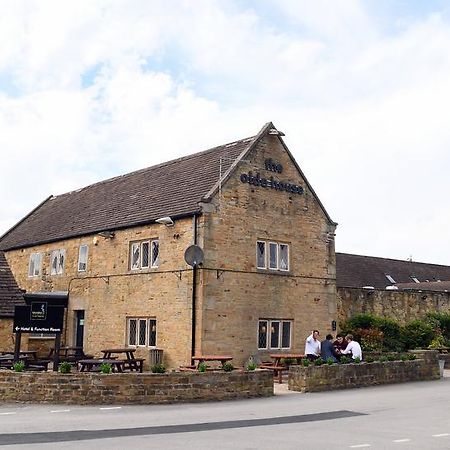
[17,346]
[57,350]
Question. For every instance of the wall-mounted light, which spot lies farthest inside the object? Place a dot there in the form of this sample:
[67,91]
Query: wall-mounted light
[424,297]
[167,221]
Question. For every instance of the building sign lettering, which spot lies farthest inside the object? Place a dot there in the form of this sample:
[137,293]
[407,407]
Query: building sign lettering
[271,183]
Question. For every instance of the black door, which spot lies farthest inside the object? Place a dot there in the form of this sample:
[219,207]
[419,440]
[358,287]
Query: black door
[79,331]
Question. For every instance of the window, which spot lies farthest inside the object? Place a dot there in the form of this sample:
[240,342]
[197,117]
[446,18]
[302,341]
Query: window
[141,332]
[415,279]
[144,254]
[57,261]
[34,267]
[390,279]
[275,258]
[82,258]
[274,334]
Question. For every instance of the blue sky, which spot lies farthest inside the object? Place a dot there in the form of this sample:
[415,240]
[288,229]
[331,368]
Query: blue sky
[94,89]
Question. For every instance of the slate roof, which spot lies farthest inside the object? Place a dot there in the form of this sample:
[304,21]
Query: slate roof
[360,271]
[10,294]
[172,189]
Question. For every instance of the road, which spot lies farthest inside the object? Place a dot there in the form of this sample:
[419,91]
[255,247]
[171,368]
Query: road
[404,416]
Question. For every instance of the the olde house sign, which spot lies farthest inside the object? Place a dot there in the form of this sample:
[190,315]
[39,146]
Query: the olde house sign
[271,183]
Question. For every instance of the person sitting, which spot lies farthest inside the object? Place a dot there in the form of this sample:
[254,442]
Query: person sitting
[327,349]
[353,348]
[339,344]
[312,346]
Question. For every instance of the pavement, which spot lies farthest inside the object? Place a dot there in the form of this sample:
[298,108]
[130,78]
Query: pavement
[398,416]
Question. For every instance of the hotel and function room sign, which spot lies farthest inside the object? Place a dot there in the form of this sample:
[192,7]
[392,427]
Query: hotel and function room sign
[271,183]
[38,317]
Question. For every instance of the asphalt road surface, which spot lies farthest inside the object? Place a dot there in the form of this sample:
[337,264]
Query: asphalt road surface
[404,416]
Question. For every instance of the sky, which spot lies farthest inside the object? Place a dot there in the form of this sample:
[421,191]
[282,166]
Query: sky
[91,89]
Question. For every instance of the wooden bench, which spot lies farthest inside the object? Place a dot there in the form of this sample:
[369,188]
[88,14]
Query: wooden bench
[133,365]
[277,371]
[93,365]
[191,368]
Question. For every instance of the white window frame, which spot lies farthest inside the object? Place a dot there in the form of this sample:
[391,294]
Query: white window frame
[153,260]
[85,256]
[269,327]
[269,248]
[390,278]
[58,254]
[149,322]
[35,265]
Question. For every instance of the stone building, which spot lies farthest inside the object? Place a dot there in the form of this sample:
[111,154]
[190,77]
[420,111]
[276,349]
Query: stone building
[117,249]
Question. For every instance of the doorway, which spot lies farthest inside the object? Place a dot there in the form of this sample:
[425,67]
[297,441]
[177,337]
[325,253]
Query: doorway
[79,328]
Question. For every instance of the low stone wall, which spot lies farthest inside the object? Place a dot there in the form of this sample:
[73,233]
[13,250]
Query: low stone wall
[347,376]
[132,388]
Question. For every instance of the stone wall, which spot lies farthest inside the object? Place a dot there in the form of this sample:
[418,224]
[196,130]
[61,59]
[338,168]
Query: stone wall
[348,376]
[402,306]
[131,388]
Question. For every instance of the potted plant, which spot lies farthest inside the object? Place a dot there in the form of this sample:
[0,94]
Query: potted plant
[65,367]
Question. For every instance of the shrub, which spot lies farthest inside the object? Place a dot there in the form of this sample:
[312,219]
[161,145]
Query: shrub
[345,360]
[318,362]
[360,321]
[442,320]
[158,368]
[370,359]
[357,360]
[382,359]
[411,356]
[371,339]
[227,367]
[19,366]
[202,367]
[105,368]
[306,362]
[251,366]
[288,361]
[438,342]
[330,361]
[404,357]
[65,367]
[418,333]
[392,357]
[392,334]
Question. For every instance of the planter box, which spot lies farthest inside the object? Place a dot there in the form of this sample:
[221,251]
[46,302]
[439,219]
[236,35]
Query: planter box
[348,376]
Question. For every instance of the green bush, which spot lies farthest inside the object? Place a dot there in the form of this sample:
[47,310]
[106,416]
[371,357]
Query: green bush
[19,366]
[442,320]
[158,368]
[306,362]
[330,361]
[417,334]
[251,366]
[357,360]
[411,356]
[370,359]
[318,362]
[360,321]
[392,334]
[391,357]
[202,367]
[345,360]
[65,367]
[227,367]
[404,357]
[287,361]
[105,368]
[382,359]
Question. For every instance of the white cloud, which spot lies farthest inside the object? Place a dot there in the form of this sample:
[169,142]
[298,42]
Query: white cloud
[95,89]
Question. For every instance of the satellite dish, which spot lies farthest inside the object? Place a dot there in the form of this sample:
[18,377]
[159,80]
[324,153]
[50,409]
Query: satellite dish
[193,255]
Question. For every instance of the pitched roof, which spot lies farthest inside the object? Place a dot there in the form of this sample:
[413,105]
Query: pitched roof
[173,189]
[360,271]
[10,294]
[439,286]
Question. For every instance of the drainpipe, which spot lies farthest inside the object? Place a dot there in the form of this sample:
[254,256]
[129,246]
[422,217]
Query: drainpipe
[194,283]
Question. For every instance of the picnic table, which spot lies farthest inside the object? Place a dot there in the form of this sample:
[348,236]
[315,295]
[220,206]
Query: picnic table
[7,361]
[222,359]
[93,365]
[30,353]
[278,367]
[130,362]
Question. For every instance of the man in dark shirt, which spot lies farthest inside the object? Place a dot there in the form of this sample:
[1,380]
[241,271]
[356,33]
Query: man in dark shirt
[340,344]
[327,348]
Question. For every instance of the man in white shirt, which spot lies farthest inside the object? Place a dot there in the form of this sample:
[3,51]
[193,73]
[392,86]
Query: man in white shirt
[312,346]
[352,348]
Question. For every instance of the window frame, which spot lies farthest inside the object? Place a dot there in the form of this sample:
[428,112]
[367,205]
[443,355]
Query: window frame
[269,330]
[270,248]
[86,258]
[33,257]
[58,253]
[152,261]
[149,323]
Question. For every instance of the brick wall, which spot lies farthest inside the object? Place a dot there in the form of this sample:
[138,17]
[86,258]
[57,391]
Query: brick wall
[146,388]
[348,376]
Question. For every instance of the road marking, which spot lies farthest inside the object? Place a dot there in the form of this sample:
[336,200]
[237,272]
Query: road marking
[60,410]
[359,445]
[402,440]
[441,435]
[7,413]
[110,407]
